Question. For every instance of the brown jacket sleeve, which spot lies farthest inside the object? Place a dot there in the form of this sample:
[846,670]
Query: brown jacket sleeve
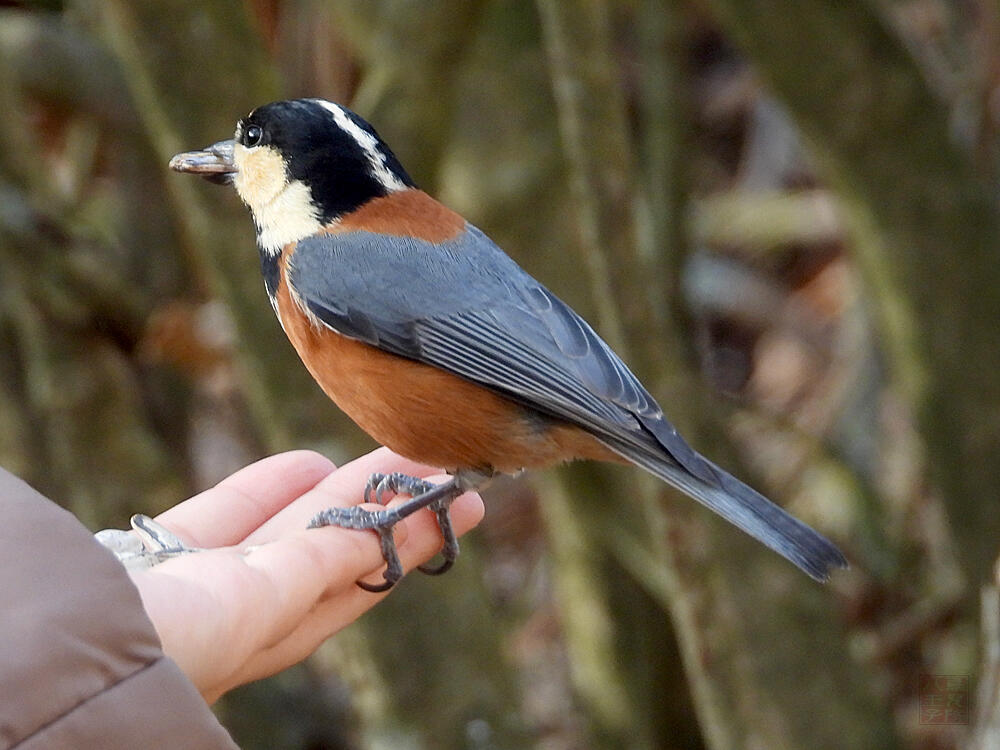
[80,663]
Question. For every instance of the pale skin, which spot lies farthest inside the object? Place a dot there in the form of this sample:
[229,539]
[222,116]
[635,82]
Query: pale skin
[229,616]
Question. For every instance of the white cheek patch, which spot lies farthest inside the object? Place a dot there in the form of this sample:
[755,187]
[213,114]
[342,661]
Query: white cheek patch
[283,211]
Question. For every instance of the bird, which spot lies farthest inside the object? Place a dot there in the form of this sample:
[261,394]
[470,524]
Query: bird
[437,343]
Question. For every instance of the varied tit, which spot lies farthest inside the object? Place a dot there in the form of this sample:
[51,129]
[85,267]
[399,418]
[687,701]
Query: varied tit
[438,344]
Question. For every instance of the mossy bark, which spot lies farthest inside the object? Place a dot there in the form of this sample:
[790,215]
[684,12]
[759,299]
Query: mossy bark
[886,142]
[742,617]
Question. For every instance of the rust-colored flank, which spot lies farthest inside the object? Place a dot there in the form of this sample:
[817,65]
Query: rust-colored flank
[423,412]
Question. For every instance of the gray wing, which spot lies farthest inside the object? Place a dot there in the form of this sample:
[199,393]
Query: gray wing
[465,307]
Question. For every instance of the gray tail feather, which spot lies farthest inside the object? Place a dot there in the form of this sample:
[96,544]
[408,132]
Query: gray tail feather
[747,509]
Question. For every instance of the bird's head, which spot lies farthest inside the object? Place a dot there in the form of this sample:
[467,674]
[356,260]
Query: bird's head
[299,165]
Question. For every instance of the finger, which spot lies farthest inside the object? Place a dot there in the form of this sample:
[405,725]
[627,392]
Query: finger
[322,575]
[340,489]
[225,514]
[307,563]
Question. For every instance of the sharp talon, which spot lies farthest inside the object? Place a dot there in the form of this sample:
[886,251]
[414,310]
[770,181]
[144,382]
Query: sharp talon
[396,483]
[450,550]
[370,485]
[375,588]
[383,486]
[437,570]
[393,567]
[380,487]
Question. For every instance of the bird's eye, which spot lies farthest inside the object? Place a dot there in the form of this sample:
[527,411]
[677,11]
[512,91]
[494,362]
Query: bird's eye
[252,136]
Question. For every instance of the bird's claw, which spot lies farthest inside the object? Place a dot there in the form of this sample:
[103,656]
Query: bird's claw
[396,483]
[423,494]
[449,552]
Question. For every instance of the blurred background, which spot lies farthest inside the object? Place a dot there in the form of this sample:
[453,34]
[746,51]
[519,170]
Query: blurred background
[782,213]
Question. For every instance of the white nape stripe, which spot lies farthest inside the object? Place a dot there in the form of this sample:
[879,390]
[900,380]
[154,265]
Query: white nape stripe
[289,217]
[369,145]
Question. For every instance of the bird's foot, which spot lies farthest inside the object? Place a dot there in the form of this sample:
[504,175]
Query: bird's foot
[437,498]
[148,544]
[399,483]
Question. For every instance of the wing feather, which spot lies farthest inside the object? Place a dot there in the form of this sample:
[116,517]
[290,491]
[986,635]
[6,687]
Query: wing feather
[473,312]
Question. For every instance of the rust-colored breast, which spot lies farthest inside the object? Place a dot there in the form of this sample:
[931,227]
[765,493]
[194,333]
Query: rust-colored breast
[425,413]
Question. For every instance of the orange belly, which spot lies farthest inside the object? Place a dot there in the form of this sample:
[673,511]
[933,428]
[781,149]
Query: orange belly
[427,414]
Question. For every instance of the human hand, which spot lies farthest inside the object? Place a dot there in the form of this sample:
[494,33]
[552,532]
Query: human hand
[227,616]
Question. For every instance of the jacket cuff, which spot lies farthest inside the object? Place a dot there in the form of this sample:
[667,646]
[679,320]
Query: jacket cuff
[165,710]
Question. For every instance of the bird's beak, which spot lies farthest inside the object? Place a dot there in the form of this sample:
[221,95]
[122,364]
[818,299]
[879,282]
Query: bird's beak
[214,163]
